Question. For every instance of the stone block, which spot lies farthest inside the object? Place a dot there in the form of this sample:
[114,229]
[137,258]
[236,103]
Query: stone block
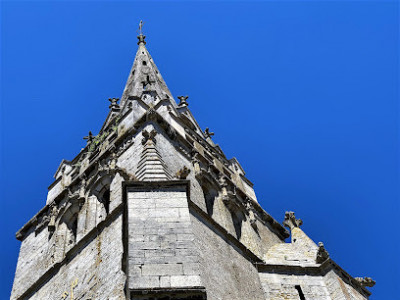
[162,269]
[165,281]
[185,281]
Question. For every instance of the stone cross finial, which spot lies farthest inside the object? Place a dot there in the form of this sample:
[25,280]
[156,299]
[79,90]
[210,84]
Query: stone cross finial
[89,137]
[149,136]
[141,37]
[140,26]
[366,281]
[208,133]
[114,103]
[183,101]
[291,221]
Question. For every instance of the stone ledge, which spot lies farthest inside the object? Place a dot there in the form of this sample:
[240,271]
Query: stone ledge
[321,270]
[192,293]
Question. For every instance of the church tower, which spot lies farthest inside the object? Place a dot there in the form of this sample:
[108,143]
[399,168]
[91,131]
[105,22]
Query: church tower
[151,208]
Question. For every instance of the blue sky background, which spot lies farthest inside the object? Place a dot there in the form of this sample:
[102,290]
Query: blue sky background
[304,94]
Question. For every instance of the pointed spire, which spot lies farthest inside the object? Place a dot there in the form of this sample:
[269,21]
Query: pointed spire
[144,77]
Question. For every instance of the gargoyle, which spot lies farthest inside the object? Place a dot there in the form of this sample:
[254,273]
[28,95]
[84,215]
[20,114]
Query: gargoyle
[322,254]
[183,173]
[366,281]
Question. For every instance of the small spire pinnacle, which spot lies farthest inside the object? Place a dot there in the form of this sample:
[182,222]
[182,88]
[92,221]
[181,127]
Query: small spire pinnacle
[141,37]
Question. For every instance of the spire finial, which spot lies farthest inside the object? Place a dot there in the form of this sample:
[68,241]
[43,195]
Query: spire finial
[141,37]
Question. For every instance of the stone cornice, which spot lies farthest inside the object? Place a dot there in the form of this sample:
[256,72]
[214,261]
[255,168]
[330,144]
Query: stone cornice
[320,270]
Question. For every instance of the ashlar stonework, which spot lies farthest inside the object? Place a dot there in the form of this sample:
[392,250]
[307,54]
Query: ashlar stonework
[152,209]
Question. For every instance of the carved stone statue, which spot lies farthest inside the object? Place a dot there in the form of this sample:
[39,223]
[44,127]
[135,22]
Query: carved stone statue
[53,215]
[196,163]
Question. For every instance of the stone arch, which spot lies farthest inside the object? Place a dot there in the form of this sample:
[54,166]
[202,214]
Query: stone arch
[238,217]
[64,236]
[210,194]
[99,199]
[70,219]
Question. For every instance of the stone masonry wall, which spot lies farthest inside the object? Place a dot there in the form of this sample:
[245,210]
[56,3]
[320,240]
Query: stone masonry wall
[282,286]
[225,273]
[161,249]
[94,273]
[340,290]
[259,242]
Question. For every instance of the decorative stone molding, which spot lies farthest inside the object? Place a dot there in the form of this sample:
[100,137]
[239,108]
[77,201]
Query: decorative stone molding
[322,254]
[126,143]
[151,166]
[291,221]
[151,114]
[365,281]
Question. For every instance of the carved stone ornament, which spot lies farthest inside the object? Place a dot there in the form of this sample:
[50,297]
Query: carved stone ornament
[322,254]
[53,215]
[228,197]
[89,137]
[149,136]
[250,212]
[127,142]
[196,163]
[183,173]
[151,114]
[208,133]
[182,100]
[114,103]
[366,281]
[291,221]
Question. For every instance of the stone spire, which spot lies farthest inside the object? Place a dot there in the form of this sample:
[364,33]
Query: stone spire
[144,77]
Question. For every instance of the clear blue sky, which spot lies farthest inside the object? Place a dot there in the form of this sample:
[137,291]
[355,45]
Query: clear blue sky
[304,94]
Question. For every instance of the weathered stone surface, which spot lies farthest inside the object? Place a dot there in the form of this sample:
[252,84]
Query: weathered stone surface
[152,209]
[159,216]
